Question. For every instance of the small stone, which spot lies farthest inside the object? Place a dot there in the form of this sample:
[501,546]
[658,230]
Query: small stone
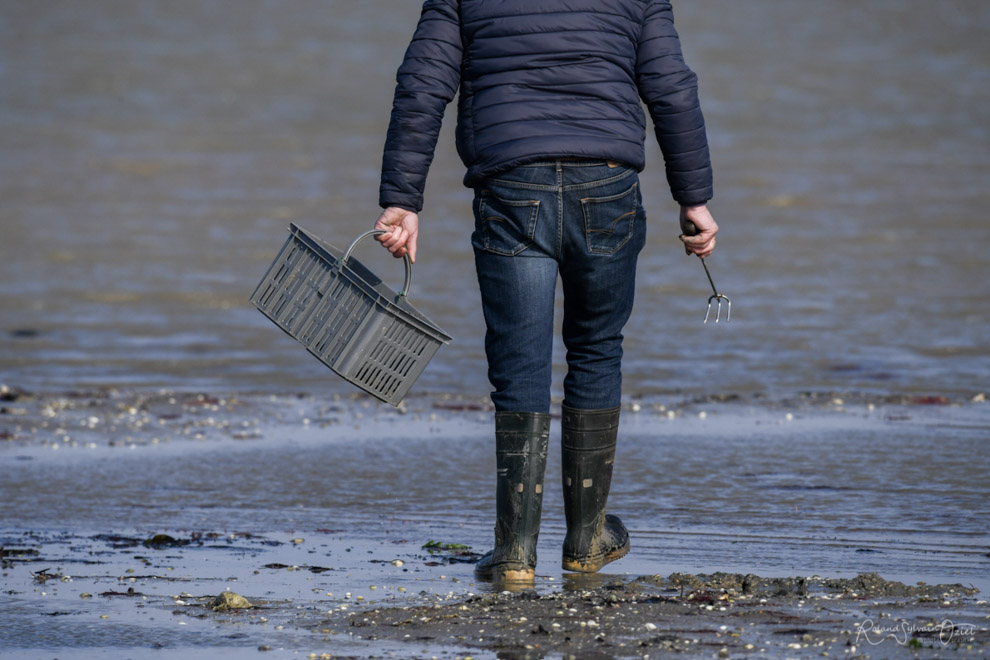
[228,600]
[397,563]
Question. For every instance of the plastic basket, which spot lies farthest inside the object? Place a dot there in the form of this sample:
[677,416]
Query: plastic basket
[346,316]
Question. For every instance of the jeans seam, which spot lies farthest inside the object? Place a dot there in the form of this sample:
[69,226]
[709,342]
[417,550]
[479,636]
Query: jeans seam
[600,182]
[523,185]
[560,211]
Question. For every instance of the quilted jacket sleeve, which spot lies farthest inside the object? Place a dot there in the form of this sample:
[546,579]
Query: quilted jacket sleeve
[670,90]
[427,81]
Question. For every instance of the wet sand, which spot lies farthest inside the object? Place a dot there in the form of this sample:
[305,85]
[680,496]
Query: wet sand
[128,513]
[696,615]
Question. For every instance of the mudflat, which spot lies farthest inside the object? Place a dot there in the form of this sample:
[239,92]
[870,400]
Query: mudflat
[206,524]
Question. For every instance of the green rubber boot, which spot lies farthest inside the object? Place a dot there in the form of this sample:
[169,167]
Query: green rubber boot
[521,459]
[588,451]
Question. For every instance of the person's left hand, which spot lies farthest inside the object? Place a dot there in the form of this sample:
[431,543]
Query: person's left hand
[403,228]
[701,243]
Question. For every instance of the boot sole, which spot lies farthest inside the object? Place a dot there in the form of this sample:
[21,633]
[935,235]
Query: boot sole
[507,575]
[593,564]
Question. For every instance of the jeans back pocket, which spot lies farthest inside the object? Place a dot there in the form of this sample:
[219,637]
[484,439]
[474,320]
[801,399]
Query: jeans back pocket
[609,221]
[504,226]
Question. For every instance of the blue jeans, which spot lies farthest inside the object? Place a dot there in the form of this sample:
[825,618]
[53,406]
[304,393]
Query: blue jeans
[585,221]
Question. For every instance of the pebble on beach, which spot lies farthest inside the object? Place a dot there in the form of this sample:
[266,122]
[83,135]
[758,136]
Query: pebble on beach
[228,600]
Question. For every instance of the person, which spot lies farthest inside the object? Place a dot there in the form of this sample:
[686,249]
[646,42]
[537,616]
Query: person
[551,128]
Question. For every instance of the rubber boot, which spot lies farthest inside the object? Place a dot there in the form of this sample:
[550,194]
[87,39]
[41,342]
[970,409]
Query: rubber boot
[588,451]
[521,459]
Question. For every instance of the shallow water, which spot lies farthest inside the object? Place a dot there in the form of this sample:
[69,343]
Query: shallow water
[151,158]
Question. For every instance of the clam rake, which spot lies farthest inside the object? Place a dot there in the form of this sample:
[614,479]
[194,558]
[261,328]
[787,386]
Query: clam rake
[716,297]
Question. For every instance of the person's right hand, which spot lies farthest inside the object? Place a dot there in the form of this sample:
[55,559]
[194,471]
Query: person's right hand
[402,227]
[701,243]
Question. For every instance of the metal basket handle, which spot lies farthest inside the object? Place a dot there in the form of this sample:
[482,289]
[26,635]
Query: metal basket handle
[405,257]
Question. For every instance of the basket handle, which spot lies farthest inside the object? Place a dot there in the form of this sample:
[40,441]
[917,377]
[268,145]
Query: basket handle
[405,257]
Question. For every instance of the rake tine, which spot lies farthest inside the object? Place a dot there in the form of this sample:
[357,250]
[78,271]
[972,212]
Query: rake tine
[718,298]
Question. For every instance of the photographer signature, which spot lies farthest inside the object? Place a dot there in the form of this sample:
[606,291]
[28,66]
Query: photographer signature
[903,632]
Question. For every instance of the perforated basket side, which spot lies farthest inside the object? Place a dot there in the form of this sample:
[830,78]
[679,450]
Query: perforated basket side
[393,363]
[287,292]
[337,316]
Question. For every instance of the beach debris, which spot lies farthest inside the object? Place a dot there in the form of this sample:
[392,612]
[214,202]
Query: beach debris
[164,541]
[43,575]
[311,569]
[707,587]
[437,546]
[450,553]
[130,593]
[930,401]
[8,393]
[228,600]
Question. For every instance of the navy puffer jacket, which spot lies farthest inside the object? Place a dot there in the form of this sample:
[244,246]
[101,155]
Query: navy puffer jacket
[542,79]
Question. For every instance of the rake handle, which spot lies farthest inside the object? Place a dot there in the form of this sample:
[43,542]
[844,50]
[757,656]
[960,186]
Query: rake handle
[690,229]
